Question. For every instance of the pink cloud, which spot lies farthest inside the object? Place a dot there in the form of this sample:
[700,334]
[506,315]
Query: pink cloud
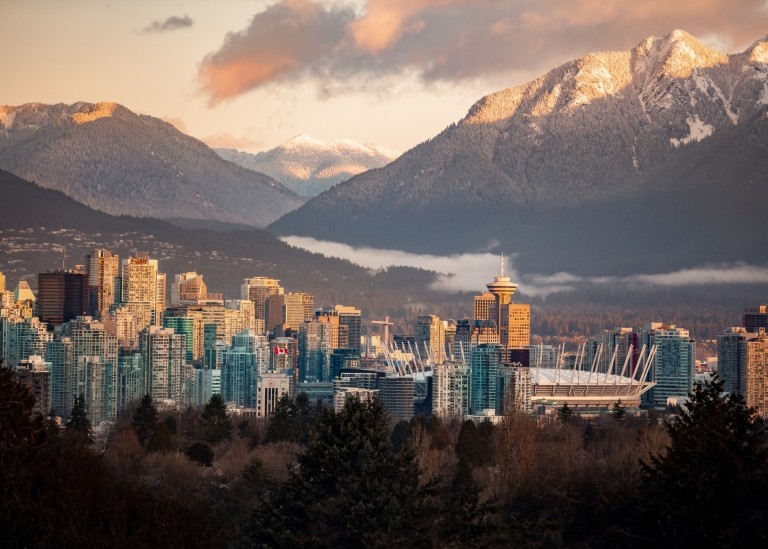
[340,49]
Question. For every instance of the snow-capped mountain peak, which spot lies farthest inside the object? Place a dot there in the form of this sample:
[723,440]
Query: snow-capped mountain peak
[310,166]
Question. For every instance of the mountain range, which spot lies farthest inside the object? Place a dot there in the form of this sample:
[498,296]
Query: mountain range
[645,160]
[310,166]
[107,157]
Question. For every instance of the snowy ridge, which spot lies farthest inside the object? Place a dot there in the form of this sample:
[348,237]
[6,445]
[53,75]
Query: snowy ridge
[309,166]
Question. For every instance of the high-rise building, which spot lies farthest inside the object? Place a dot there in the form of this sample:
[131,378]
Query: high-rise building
[61,296]
[756,354]
[674,364]
[163,355]
[450,390]
[514,389]
[188,289]
[26,338]
[515,325]
[257,289]
[315,347]
[485,306]
[397,394]
[756,318]
[191,326]
[2,283]
[130,378]
[142,283]
[242,363]
[349,322]
[94,367]
[484,378]
[34,373]
[731,359]
[429,336]
[58,353]
[96,381]
[103,270]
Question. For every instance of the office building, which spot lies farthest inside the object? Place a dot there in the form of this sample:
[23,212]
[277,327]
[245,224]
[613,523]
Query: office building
[257,289]
[188,289]
[61,296]
[756,318]
[270,387]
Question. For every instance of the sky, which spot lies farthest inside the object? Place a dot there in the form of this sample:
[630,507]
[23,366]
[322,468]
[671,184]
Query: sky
[251,74]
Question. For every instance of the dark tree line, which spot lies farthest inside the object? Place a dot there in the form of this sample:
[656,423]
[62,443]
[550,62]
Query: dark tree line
[325,479]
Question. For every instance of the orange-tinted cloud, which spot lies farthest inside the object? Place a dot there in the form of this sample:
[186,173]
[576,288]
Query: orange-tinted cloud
[342,49]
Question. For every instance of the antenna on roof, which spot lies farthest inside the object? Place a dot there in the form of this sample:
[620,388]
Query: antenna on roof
[502,265]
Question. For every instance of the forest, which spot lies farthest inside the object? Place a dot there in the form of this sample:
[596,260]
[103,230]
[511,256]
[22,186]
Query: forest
[312,477]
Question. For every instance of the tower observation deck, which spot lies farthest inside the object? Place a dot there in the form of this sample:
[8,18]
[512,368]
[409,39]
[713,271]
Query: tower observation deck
[502,287]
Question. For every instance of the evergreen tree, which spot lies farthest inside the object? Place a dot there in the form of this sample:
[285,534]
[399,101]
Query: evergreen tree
[215,420]
[283,421]
[565,413]
[469,446]
[201,453]
[709,488]
[348,488]
[79,426]
[618,411]
[145,418]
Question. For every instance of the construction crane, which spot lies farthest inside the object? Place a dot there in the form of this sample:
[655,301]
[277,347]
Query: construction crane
[386,323]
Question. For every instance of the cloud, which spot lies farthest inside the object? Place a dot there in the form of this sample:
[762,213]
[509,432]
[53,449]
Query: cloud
[172,23]
[470,272]
[340,47]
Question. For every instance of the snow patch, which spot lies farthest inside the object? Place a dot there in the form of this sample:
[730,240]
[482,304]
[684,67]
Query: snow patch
[6,119]
[704,85]
[699,130]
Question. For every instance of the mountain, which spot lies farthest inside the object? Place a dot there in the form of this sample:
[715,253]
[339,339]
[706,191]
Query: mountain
[111,159]
[309,166]
[648,159]
[41,228]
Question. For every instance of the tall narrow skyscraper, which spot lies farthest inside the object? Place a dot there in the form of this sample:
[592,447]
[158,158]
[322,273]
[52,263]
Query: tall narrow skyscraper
[103,270]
